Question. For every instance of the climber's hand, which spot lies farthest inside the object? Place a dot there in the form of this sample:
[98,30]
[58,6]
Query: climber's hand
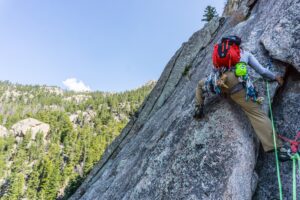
[279,79]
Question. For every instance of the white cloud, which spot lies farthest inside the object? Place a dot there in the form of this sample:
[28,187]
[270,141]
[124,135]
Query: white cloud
[76,85]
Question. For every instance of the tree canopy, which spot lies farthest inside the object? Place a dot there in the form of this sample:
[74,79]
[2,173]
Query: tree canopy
[82,125]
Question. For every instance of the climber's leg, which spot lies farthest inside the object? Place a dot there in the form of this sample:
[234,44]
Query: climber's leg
[199,93]
[199,113]
[259,120]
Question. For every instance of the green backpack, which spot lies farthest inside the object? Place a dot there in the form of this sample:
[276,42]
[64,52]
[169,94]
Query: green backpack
[241,69]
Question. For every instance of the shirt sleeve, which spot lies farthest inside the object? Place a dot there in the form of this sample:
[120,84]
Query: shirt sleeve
[253,62]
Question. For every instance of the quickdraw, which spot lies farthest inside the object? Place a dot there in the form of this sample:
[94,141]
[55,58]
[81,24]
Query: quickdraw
[294,143]
[294,154]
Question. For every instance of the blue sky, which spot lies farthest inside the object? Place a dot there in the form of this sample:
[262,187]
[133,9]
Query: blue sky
[109,45]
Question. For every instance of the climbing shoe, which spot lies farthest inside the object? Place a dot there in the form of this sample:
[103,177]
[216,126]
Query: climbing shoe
[284,153]
[199,113]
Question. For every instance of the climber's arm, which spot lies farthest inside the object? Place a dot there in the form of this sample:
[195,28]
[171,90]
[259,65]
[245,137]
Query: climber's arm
[253,62]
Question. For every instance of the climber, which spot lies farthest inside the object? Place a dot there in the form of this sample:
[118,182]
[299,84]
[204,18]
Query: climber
[230,78]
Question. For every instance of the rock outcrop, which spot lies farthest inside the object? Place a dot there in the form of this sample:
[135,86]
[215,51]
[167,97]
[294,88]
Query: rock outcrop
[54,90]
[23,127]
[10,95]
[79,118]
[164,154]
[3,131]
[77,98]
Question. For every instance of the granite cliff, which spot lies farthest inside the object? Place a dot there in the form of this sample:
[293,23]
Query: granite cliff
[164,154]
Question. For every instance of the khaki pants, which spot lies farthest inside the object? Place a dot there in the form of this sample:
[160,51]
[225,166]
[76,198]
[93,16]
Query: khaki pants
[259,120]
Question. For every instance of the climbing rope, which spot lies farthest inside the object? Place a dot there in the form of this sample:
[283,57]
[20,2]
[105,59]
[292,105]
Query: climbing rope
[275,144]
[295,157]
[294,147]
[274,138]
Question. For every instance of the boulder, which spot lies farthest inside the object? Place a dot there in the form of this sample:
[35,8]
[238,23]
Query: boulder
[11,94]
[77,98]
[79,118]
[3,131]
[21,128]
[53,90]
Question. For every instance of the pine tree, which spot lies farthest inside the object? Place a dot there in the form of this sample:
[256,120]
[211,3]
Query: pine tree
[210,12]
[33,183]
[16,189]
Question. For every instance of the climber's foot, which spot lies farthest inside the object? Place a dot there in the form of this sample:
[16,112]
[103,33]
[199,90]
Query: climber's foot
[284,154]
[199,113]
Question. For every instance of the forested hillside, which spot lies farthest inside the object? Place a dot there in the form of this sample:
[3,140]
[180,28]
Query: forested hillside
[50,138]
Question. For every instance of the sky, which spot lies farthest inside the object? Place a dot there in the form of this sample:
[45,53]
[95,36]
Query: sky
[104,45]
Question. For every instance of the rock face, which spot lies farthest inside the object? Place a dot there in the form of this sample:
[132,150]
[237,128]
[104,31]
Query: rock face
[234,6]
[21,128]
[287,27]
[164,154]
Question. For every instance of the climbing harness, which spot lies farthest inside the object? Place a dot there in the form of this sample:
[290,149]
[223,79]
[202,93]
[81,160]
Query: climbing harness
[245,81]
[242,73]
